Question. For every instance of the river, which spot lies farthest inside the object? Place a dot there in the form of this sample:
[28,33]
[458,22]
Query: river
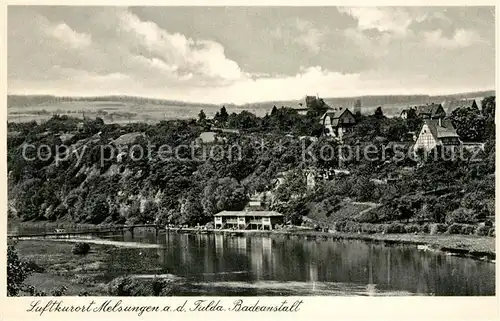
[217,264]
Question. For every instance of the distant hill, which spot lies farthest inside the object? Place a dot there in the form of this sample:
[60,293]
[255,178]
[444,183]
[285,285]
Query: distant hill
[31,100]
[366,101]
[379,100]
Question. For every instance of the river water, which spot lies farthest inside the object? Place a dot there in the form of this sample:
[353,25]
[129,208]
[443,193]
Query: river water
[217,264]
[293,265]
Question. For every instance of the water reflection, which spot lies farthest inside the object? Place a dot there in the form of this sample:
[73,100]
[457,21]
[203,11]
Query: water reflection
[293,265]
[377,267]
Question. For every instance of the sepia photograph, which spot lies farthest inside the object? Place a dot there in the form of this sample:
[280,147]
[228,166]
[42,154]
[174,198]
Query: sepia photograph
[257,151]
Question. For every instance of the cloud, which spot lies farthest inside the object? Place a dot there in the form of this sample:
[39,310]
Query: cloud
[185,57]
[461,38]
[109,50]
[123,44]
[309,36]
[301,32]
[68,36]
[387,19]
[372,46]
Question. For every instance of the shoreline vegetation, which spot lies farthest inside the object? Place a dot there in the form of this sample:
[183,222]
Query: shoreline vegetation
[477,247]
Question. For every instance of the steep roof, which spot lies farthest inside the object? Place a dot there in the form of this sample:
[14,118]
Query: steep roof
[334,115]
[431,109]
[249,213]
[445,130]
[450,105]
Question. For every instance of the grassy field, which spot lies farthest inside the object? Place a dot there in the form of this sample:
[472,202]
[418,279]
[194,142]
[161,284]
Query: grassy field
[62,268]
[118,112]
[125,112]
[83,273]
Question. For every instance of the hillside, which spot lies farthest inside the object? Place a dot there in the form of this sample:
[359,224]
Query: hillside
[89,185]
[381,100]
[31,100]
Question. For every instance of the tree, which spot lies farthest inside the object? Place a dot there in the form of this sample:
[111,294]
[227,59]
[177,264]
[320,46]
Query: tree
[488,111]
[17,272]
[488,106]
[363,189]
[293,186]
[469,122]
[223,194]
[243,120]
[274,111]
[223,114]
[191,211]
[358,116]
[316,106]
[96,209]
[293,210]
[379,113]
[395,130]
[201,116]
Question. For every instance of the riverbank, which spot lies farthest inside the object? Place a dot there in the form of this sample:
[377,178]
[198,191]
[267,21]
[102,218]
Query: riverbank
[476,247]
[111,265]
[58,268]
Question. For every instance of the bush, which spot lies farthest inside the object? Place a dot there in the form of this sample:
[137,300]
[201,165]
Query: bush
[17,272]
[482,230]
[126,286]
[492,232]
[437,228]
[81,248]
[394,228]
[369,228]
[381,228]
[461,215]
[464,229]
[367,217]
[30,289]
[60,292]
[413,228]
[169,290]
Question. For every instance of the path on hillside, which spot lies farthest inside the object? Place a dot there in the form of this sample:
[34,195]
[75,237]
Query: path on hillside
[371,204]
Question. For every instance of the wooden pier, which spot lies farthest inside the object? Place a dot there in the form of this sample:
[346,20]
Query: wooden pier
[98,231]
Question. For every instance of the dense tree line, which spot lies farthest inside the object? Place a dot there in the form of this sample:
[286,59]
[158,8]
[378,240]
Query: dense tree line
[190,189]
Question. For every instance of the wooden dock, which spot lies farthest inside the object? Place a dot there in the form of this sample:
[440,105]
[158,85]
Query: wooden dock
[70,233]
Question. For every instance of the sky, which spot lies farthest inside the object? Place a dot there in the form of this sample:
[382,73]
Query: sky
[249,54]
